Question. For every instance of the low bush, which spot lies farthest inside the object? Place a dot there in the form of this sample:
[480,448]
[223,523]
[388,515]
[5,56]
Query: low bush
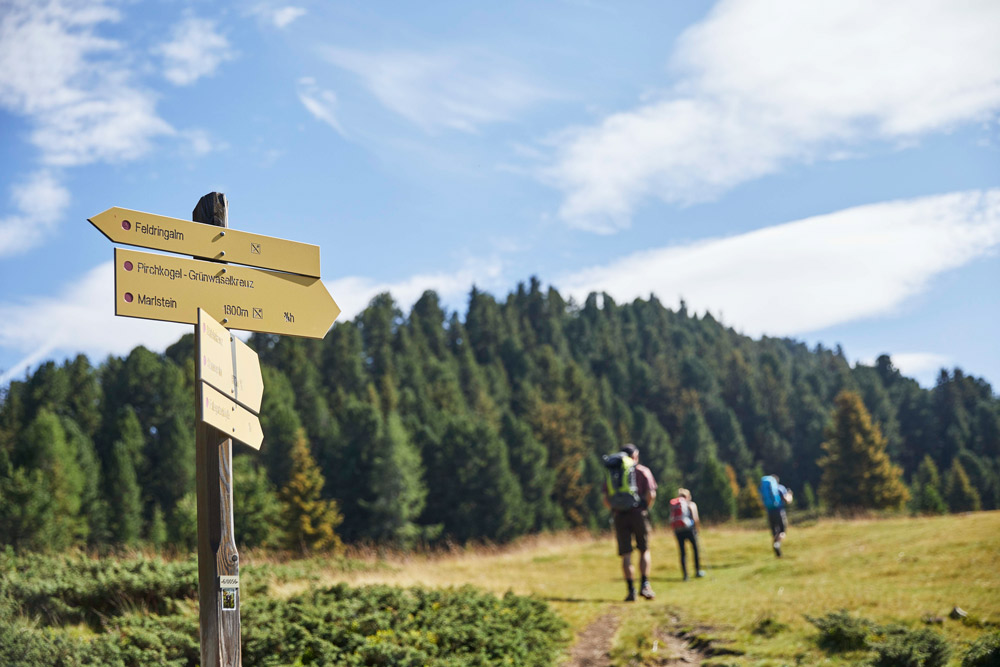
[896,646]
[839,631]
[984,652]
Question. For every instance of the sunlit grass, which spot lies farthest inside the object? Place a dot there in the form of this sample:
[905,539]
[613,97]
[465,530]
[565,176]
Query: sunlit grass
[889,570]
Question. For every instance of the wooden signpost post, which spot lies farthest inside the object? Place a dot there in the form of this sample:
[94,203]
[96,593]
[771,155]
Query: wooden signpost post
[215,297]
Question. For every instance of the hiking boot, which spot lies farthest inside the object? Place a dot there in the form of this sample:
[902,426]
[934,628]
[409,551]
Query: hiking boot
[701,573]
[647,591]
[777,549]
[631,596]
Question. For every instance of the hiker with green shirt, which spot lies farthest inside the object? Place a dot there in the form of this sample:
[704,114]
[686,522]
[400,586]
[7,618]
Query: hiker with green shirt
[629,492]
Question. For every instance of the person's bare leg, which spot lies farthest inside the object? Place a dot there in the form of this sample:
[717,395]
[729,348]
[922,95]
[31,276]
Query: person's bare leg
[627,568]
[644,563]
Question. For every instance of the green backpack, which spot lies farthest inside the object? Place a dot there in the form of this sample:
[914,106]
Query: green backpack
[623,492]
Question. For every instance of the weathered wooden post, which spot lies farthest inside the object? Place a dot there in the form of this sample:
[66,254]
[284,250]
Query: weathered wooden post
[218,560]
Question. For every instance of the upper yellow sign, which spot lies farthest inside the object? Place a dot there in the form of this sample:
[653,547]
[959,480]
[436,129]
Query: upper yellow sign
[172,289]
[184,237]
[227,363]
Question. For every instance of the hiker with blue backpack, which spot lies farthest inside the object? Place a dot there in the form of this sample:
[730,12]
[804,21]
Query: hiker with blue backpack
[629,492]
[685,522]
[776,497]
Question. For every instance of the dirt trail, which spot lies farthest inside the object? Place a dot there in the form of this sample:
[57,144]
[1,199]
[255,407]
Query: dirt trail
[593,647]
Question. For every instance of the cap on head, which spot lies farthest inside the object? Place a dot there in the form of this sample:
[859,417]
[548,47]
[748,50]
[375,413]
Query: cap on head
[630,449]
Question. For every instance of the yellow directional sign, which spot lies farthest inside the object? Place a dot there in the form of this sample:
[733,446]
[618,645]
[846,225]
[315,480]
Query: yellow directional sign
[227,363]
[218,410]
[160,287]
[184,237]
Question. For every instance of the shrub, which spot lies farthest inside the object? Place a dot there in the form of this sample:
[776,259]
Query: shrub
[839,631]
[767,626]
[984,652]
[900,647]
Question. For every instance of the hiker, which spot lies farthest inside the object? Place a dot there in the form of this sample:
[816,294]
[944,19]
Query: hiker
[685,522]
[776,497]
[629,493]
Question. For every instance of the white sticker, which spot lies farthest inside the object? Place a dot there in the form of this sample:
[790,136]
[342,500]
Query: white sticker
[229,581]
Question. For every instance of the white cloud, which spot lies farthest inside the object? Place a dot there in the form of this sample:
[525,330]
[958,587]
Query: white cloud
[810,274]
[195,50]
[56,71]
[764,83]
[924,367]
[322,104]
[457,91]
[284,16]
[80,320]
[40,203]
[353,293]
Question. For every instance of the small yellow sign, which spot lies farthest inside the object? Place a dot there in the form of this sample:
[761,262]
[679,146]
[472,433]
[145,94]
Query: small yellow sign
[227,363]
[184,237]
[223,413]
[172,289]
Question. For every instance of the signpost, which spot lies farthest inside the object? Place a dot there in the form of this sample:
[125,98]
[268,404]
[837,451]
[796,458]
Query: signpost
[183,237]
[289,299]
[160,287]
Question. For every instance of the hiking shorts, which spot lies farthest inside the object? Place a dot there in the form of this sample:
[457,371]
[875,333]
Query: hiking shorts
[778,521]
[628,524]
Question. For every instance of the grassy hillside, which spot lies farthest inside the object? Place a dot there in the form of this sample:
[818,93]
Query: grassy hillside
[899,570]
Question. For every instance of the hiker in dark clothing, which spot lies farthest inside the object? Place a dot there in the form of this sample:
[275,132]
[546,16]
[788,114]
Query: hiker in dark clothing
[634,521]
[685,521]
[776,498]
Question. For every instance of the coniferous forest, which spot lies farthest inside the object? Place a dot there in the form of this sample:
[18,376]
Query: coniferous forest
[433,426]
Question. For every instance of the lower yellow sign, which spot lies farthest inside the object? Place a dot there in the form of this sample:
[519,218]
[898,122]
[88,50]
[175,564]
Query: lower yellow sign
[223,413]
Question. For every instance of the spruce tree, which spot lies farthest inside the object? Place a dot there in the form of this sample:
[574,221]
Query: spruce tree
[959,493]
[927,489]
[713,492]
[124,499]
[257,520]
[310,520]
[857,472]
[748,502]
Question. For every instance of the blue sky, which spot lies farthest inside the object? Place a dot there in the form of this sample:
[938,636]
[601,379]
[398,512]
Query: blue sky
[824,171]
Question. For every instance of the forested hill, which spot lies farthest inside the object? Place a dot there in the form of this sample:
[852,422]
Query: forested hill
[434,425]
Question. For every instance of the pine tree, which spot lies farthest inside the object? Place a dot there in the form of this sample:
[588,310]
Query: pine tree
[123,491]
[748,502]
[256,508]
[857,472]
[927,489]
[713,491]
[958,490]
[310,520]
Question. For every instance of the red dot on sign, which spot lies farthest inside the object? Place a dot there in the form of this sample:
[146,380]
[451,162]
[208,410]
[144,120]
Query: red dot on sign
[126,225]
[128,297]
[128,266]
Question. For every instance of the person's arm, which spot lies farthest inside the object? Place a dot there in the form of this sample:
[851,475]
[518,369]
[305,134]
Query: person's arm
[650,498]
[694,515]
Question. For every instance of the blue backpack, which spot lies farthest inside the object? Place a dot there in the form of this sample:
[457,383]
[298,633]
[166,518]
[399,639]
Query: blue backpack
[769,492]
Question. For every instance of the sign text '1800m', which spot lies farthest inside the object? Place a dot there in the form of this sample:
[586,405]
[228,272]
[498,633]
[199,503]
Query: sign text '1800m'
[235,311]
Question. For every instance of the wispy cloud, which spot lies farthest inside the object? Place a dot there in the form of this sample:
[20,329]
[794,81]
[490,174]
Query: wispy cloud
[353,293]
[196,49]
[764,84]
[56,71]
[40,203]
[445,90]
[322,104]
[284,16]
[807,275]
[87,304]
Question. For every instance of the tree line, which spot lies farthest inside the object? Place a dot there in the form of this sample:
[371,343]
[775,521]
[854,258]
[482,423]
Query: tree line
[428,426]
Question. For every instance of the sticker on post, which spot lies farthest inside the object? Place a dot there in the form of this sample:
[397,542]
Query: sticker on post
[229,581]
[228,599]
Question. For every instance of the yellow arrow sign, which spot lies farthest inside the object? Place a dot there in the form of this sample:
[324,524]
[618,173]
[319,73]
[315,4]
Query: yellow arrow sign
[221,412]
[172,289]
[184,237]
[227,363]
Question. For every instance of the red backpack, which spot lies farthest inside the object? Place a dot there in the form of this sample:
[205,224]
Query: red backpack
[680,514]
